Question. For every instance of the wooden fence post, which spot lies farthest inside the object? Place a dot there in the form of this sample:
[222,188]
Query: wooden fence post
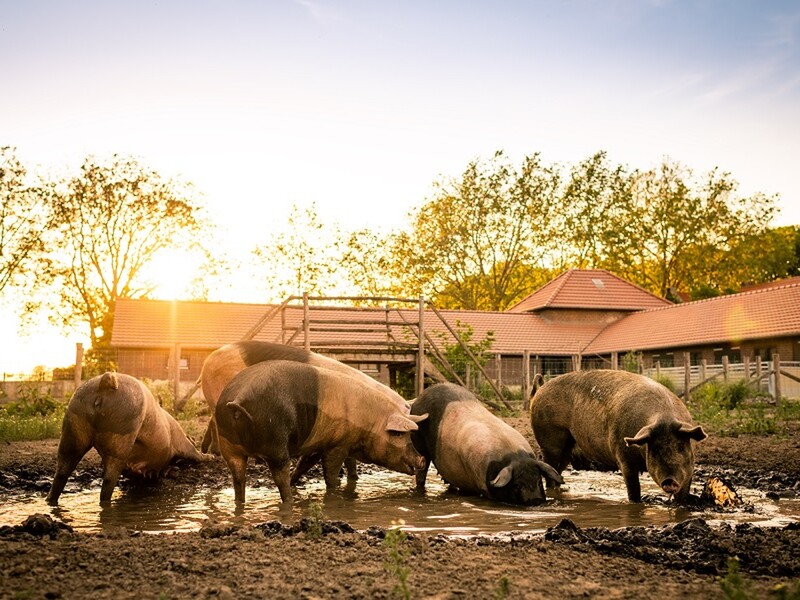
[725,365]
[498,370]
[776,370]
[703,365]
[687,376]
[758,373]
[421,349]
[306,325]
[614,361]
[176,373]
[78,374]
[526,375]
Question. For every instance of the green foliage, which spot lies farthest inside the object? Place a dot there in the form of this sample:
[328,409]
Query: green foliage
[731,410]
[734,585]
[503,588]
[315,519]
[631,361]
[456,356]
[112,220]
[481,240]
[667,383]
[398,553]
[34,416]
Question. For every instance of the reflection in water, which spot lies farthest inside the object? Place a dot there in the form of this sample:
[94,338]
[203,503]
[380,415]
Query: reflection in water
[590,499]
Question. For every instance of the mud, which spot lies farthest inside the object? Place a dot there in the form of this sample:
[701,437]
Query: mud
[42,557]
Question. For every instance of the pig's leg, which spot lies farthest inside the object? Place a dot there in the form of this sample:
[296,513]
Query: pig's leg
[422,475]
[112,469]
[207,437]
[557,450]
[281,470]
[350,467]
[304,464]
[631,476]
[71,449]
[236,460]
[332,462]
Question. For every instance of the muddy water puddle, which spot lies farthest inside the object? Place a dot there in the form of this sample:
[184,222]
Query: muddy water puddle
[589,499]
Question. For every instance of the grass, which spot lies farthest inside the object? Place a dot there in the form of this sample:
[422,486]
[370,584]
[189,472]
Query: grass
[735,586]
[36,415]
[397,559]
[731,410]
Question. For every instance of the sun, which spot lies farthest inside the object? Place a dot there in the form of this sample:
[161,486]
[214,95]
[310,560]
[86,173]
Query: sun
[170,274]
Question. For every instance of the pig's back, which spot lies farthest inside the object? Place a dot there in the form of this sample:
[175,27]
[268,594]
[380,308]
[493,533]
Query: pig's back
[112,402]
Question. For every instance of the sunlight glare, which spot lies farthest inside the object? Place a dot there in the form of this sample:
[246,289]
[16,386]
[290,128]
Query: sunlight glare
[170,274]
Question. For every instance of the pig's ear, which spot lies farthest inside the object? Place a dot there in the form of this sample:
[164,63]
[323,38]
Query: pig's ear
[400,423]
[238,411]
[641,438]
[549,472]
[418,418]
[503,477]
[695,433]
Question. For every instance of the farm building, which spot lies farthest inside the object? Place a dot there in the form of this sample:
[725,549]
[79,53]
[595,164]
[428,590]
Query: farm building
[580,319]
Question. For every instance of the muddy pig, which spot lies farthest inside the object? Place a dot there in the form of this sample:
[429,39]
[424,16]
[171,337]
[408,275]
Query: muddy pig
[119,417]
[279,410]
[620,420]
[475,451]
[221,365]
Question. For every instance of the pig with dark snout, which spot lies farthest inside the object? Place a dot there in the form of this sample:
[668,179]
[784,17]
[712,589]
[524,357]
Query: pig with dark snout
[475,451]
[619,420]
[279,410]
[118,416]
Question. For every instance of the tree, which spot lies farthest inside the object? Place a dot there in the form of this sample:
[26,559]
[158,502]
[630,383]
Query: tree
[669,231]
[594,194]
[301,257]
[112,218]
[473,244]
[25,214]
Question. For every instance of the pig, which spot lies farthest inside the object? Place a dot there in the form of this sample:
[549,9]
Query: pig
[118,416]
[221,365]
[475,451]
[278,410]
[618,420]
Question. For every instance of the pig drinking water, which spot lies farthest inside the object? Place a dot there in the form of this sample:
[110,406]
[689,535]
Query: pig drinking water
[617,419]
[279,410]
[475,451]
[119,417]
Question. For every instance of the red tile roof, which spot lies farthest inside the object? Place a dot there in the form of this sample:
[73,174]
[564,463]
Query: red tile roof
[589,289]
[759,314]
[161,324]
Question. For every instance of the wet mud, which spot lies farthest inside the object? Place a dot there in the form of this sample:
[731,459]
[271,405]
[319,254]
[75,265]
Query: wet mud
[41,556]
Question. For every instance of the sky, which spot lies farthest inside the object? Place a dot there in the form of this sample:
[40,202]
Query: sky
[359,106]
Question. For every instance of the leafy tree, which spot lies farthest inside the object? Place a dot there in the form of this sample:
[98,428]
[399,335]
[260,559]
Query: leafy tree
[593,198]
[365,258]
[473,244]
[301,257]
[25,213]
[112,218]
[670,231]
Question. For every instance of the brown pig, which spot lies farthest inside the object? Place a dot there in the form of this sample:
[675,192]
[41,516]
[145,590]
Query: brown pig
[475,451]
[221,365]
[617,419]
[118,416]
[279,410]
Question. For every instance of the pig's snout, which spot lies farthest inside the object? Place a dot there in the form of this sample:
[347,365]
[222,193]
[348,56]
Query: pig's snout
[670,486]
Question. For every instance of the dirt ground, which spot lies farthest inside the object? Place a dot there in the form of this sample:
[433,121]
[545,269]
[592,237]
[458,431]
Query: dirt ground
[43,558]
